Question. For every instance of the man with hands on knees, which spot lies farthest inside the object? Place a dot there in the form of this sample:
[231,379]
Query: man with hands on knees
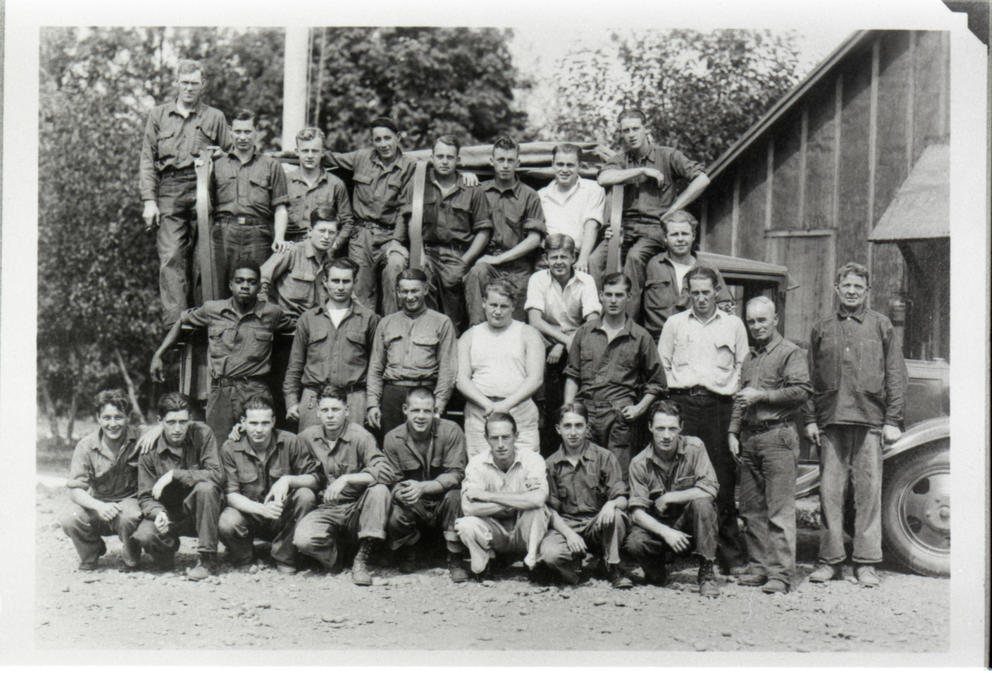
[271,480]
[672,500]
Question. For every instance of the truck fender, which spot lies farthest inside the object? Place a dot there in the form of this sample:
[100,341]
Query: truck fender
[918,434]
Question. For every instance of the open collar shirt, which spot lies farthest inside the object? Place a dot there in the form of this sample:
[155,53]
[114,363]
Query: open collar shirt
[443,462]
[621,370]
[195,461]
[452,218]
[253,188]
[292,277]
[354,451]
[691,467]
[778,367]
[515,211]
[252,475]
[582,489]
[643,199]
[106,476]
[567,212]
[527,472]
[703,353]
[304,198]
[377,188]
[565,307]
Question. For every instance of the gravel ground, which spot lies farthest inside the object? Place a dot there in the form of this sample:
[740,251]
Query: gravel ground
[260,609]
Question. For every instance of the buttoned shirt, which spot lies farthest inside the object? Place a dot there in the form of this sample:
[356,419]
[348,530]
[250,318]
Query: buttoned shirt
[253,188]
[567,212]
[623,369]
[526,473]
[172,141]
[323,353]
[778,367]
[252,475]
[662,295]
[239,344]
[565,307]
[450,219]
[106,476]
[643,199]
[649,478]
[515,212]
[858,371]
[377,189]
[304,198]
[581,490]
[354,451]
[442,459]
[194,461]
[698,353]
[292,277]
[413,350]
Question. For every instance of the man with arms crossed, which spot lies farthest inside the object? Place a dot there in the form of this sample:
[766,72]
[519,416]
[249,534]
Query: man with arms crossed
[573,206]
[859,398]
[775,384]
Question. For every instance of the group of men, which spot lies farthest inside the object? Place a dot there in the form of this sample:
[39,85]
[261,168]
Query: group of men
[657,400]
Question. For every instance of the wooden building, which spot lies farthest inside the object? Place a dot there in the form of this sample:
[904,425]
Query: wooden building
[862,141]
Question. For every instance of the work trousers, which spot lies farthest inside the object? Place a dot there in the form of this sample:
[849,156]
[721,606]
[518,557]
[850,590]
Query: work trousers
[174,240]
[851,454]
[327,530]
[641,242]
[768,500]
[526,416]
[486,536]
[611,430]
[236,244]
[192,512]
[226,403]
[605,540]
[237,529]
[407,522]
[308,407]
[551,399]
[516,272]
[380,260]
[696,517]
[708,418]
[446,276]
[86,530]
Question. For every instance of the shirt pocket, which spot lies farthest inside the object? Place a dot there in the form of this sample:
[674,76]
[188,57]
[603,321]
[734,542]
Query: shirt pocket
[259,189]
[298,285]
[660,296]
[723,353]
[363,192]
[101,466]
[684,483]
[167,140]
[258,345]
[357,355]
[871,365]
[826,363]
[227,187]
[423,351]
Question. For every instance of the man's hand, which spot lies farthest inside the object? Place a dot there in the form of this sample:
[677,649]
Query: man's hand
[476,495]
[469,179]
[491,260]
[148,439]
[162,523]
[410,492]
[676,539]
[604,519]
[334,490]
[654,174]
[236,431]
[279,491]
[500,407]
[157,369]
[293,413]
[661,504]
[374,417]
[891,433]
[750,395]
[271,509]
[162,482]
[632,412]
[108,511]
[438,408]
[607,232]
[582,264]
[556,353]
[279,246]
[150,215]
[813,433]
[574,541]
[735,445]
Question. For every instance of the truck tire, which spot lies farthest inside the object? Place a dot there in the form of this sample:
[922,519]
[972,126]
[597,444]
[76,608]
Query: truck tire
[916,510]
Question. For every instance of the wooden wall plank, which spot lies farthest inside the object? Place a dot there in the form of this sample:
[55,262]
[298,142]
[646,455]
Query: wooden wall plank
[787,173]
[753,198]
[821,159]
[854,160]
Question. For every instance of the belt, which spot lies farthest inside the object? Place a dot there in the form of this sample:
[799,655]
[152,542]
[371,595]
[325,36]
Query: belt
[242,219]
[350,388]
[429,384]
[457,247]
[698,391]
[765,426]
[228,381]
[184,172]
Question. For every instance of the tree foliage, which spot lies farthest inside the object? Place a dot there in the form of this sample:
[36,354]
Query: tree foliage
[701,91]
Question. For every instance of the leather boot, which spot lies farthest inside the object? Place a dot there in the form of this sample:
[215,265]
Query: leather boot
[707,581]
[359,568]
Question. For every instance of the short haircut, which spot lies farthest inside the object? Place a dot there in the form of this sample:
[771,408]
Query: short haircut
[761,300]
[308,133]
[259,401]
[419,391]
[188,65]
[559,242]
[566,148]
[667,407]
[450,140]
[617,278]
[245,264]
[573,408]
[853,268]
[682,216]
[384,123]
[501,286]
[323,212]
[498,416]
[332,392]
[244,115]
[116,398]
[411,274]
[506,143]
[632,113]
[701,272]
[341,263]
[174,401]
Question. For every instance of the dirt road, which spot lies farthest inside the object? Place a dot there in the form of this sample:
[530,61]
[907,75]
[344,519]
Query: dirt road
[259,608]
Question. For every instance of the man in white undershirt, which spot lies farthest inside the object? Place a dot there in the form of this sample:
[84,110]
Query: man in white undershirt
[572,205]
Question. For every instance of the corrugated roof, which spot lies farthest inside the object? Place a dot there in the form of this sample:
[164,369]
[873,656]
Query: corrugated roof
[921,207]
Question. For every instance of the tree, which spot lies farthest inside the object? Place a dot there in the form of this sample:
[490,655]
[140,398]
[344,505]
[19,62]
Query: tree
[430,80]
[701,91]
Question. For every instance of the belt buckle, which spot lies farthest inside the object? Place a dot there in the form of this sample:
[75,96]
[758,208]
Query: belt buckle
[241,219]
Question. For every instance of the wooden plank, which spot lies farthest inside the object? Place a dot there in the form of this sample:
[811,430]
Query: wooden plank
[910,102]
[613,261]
[803,162]
[416,231]
[769,182]
[872,151]
[838,126]
[735,216]
[204,243]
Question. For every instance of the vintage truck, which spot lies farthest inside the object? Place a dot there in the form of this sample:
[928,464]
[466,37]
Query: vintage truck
[916,489]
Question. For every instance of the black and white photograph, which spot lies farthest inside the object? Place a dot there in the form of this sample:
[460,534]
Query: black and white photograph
[598,334]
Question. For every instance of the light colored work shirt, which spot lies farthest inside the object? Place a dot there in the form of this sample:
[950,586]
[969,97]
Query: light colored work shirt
[527,473]
[709,354]
[566,307]
[567,213]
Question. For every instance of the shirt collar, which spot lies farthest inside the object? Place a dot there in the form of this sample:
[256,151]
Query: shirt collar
[858,315]
[256,309]
[587,455]
[397,162]
[297,176]
[716,315]
[161,446]
[491,186]
[488,458]
[623,330]
[244,445]
[679,452]
[130,437]
[234,155]
[174,107]
[772,343]
[635,157]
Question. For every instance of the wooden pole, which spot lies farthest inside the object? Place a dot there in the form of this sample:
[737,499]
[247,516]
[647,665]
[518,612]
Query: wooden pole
[613,261]
[416,230]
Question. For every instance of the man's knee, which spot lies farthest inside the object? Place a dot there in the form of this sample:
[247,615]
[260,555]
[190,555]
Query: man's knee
[378,494]
[206,491]
[231,523]
[308,534]
[74,519]
[472,528]
[130,515]
[303,498]
[554,550]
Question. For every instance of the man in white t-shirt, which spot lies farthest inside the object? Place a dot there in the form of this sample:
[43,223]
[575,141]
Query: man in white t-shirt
[572,205]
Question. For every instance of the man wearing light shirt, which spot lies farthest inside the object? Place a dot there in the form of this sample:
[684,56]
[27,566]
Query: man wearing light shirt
[573,206]
[702,351]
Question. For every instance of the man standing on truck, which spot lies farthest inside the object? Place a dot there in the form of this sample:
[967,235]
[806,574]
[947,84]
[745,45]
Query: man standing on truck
[518,227]
[309,186]
[648,173]
[859,398]
[775,384]
[573,206]
[175,133]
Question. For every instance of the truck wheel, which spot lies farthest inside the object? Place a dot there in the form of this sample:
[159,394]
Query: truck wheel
[916,510]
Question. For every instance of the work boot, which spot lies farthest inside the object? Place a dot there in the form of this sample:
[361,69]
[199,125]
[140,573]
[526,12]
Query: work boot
[867,576]
[88,565]
[206,565]
[360,574]
[456,566]
[706,580]
[408,560]
[827,572]
[285,568]
[752,580]
[617,579]
[775,586]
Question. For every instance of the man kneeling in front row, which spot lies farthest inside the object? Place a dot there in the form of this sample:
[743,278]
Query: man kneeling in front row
[672,499]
